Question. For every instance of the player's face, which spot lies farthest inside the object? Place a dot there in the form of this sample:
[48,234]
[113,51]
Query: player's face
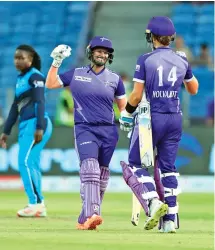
[22,60]
[100,56]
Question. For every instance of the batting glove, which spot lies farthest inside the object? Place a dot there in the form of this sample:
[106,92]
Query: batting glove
[59,54]
[126,121]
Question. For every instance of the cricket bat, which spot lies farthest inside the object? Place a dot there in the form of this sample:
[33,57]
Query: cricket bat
[145,134]
[146,149]
[136,207]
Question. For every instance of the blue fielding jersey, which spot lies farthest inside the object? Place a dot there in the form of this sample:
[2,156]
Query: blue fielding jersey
[29,101]
[163,72]
[93,94]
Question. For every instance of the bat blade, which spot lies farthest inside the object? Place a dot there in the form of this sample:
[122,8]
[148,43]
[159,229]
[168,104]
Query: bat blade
[136,207]
[145,136]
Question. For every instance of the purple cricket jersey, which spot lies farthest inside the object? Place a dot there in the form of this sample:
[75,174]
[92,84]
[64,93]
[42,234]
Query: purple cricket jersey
[93,94]
[163,72]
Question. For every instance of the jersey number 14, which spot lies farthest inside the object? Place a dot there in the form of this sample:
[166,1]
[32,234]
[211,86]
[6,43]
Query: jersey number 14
[172,76]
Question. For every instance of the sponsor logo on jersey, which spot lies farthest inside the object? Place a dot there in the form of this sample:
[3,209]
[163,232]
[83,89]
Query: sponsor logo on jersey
[86,142]
[181,53]
[137,68]
[21,83]
[83,79]
[38,84]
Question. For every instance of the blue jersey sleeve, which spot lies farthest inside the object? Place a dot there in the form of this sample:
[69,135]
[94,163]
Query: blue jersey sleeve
[37,83]
[120,91]
[66,77]
[139,74]
[12,117]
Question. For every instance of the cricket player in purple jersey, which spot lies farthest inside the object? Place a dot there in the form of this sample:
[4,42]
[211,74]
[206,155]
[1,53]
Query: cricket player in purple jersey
[94,89]
[158,78]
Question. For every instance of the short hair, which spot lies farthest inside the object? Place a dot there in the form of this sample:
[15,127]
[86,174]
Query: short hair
[36,63]
[165,40]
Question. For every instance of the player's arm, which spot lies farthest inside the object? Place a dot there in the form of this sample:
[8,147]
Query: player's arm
[136,95]
[52,80]
[11,120]
[192,85]
[138,90]
[37,83]
[58,54]
[190,82]
[12,117]
[121,103]
[120,96]
[126,116]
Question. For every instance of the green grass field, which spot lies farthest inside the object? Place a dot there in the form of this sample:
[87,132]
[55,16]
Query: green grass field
[57,231]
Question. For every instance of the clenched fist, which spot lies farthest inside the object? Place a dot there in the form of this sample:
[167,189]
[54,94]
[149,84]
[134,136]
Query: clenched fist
[59,54]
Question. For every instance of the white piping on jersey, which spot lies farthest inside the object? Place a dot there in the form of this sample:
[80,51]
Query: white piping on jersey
[76,148]
[27,167]
[115,75]
[79,109]
[59,80]
[138,80]
[178,106]
[120,96]
[189,80]
[113,117]
[84,67]
[112,72]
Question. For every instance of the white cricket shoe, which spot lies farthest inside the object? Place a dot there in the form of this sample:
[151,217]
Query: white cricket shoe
[157,209]
[168,227]
[37,210]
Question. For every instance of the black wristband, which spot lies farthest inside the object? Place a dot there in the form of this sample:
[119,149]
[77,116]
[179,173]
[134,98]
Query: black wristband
[130,109]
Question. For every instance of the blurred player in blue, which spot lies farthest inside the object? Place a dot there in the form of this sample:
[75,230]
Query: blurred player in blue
[35,127]
[158,78]
[94,89]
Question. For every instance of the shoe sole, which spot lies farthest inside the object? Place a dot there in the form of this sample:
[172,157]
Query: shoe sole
[37,215]
[153,221]
[170,232]
[173,231]
[81,227]
[93,222]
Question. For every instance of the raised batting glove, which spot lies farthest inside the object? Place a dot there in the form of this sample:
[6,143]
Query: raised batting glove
[59,54]
[126,121]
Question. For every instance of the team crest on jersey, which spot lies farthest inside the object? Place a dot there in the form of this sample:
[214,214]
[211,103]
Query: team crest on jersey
[107,83]
[83,79]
